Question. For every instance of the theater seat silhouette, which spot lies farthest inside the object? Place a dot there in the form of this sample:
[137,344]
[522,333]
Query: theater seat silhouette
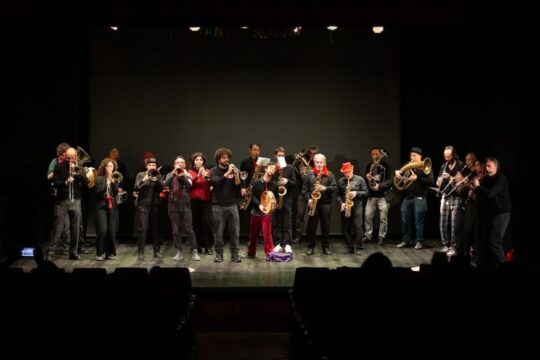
[173,292]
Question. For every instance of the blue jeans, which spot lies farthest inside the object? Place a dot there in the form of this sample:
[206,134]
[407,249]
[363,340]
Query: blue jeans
[413,209]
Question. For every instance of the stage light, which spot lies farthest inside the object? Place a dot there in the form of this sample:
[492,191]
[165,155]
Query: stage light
[332,27]
[194,28]
[297,29]
[244,27]
[114,28]
[415,268]
[378,29]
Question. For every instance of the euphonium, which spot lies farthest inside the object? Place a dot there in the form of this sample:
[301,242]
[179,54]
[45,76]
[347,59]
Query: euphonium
[315,195]
[407,170]
[117,177]
[268,201]
[301,163]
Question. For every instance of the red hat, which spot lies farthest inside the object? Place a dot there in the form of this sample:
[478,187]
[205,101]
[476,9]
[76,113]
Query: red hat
[346,167]
[148,155]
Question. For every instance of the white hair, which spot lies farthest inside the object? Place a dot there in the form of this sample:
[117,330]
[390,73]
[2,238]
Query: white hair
[319,156]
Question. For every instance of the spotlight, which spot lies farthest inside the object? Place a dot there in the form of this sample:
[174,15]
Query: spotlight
[297,29]
[114,28]
[194,28]
[244,27]
[378,29]
[332,27]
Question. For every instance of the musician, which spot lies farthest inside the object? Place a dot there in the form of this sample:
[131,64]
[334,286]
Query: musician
[353,188]
[495,207]
[179,182]
[466,237]
[225,181]
[282,217]
[301,169]
[105,193]
[322,180]
[414,204]
[148,185]
[450,209]
[114,154]
[261,216]
[68,186]
[379,194]
[201,202]
[249,165]
[60,157]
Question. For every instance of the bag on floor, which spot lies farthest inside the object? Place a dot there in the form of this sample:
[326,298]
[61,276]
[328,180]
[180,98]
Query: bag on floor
[279,256]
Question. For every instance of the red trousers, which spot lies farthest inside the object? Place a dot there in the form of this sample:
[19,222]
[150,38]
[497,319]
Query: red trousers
[257,222]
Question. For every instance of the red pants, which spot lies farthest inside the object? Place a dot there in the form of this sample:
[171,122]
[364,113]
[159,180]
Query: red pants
[256,222]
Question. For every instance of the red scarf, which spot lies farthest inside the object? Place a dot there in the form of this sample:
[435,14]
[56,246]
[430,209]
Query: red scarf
[324,171]
[109,199]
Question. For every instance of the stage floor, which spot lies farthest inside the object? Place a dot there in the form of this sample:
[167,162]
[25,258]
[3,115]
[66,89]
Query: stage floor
[250,272]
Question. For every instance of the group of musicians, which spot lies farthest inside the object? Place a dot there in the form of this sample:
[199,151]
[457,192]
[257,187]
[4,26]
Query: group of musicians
[203,202]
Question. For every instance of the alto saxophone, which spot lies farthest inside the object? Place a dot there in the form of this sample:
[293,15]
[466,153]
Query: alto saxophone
[282,191]
[348,202]
[315,195]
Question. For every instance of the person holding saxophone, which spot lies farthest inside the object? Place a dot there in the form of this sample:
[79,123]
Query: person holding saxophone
[105,191]
[379,178]
[319,188]
[351,190]
[282,218]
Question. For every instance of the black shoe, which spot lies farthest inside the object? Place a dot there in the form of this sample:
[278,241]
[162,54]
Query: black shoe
[326,251]
[365,239]
[74,257]
[310,251]
[49,257]
[84,251]
[358,250]
[236,258]
[296,240]
[157,255]
[218,258]
[209,251]
[351,250]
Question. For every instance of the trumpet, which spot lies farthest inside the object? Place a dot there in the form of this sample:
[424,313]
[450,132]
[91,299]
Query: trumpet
[205,173]
[179,171]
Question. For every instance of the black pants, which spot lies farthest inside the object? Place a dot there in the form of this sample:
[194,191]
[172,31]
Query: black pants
[282,224]
[147,216]
[106,228]
[352,226]
[322,213]
[202,223]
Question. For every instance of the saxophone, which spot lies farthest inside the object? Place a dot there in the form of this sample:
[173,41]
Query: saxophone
[348,202]
[282,191]
[315,195]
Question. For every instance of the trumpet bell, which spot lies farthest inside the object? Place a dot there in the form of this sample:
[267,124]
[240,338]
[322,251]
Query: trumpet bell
[243,175]
[91,175]
[282,191]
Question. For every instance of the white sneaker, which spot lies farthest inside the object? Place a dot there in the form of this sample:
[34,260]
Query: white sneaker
[451,252]
[288,249]
[418,246]
[195,255]
[278,248]
[178,256]
[444,249]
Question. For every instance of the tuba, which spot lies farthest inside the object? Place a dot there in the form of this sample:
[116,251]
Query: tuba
[268,201]
[407,170]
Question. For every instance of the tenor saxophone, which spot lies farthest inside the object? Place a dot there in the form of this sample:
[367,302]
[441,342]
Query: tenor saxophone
[315,195]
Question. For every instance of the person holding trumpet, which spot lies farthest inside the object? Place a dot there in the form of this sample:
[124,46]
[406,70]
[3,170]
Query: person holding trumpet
[201,206]
[179,180]
[148,184]
[225,182]
[264,203]
[105,191]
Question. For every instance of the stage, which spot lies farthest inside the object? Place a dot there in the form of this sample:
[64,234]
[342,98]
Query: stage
[250,272]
